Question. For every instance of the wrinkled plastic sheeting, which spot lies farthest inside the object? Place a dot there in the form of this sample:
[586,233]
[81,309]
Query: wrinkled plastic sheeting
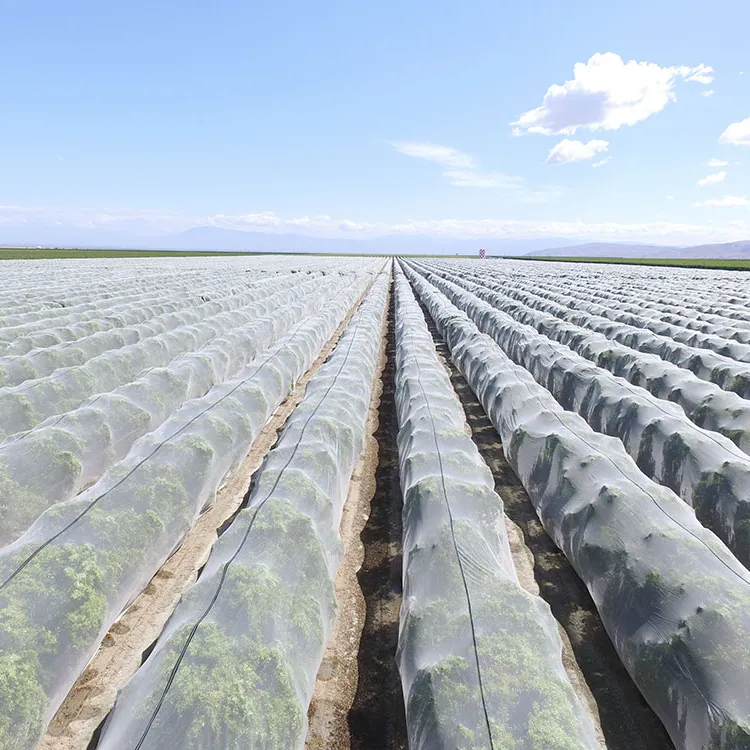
[41,294]
[707,365]
[673,599]
[654,301]
[706,404]
[707,294]
[67,579]
[623,311]
[53,462]
[479,657]
[706,470]
[118,309]
[25,406]
[42,361]
[237,661]
[666,319]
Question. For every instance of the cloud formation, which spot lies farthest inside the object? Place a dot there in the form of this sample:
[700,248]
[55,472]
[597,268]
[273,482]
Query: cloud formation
[717,163]
[737,134]
[568,151]
[728,201]
[712,179]
[607,93]
[444,155]
[710,92]
[479,179]
[462,170]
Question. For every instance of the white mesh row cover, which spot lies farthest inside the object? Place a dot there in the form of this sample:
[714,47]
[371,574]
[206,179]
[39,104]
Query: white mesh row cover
[707,294]
[705,469]
[480,658]
[622,310]
[57,459]
[191,291]
[675,313]
[634,298]
[707,365]
[706,404]
[673,599]
[77,320]
[89,288]
[36,363]
[24,406]
[706,298]
[68,578]
[235,666]
[50,287]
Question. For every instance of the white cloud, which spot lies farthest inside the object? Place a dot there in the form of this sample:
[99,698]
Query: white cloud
[712,179]
[445,155]
[700,74]
[607,93]
[479,179]
[601,162]
[568,151]
[717,163]
[710,92]
[670,197]
[738,133]
[728,201]
[462,170]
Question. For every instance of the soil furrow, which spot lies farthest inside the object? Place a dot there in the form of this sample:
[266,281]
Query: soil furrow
[376,719]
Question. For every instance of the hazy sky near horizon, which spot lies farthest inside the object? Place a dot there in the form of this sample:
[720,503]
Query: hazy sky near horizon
[602,120]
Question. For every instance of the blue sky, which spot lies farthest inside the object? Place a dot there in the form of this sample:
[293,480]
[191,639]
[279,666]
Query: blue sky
[353,119]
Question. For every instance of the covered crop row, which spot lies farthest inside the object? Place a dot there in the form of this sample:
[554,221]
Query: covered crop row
[621,311]
[673,599]
[25,406]
[66,580]
[236,664]
[706,404]
[41,361]
[53,462]
[705,469]
[479,657]
[707,365]
[675,320]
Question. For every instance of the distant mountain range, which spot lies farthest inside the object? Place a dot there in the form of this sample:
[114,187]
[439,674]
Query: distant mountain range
[721,251]
[217,238]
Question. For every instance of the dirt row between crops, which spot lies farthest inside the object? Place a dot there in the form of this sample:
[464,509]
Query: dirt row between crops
[76,724]
[338,676]
[376,718]
[623,719]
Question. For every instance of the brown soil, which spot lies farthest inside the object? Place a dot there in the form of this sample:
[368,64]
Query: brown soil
[376,719]
[626,720]
[336,683]
[120,654]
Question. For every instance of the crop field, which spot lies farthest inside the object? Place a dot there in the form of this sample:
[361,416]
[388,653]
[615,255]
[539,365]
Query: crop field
[279,502]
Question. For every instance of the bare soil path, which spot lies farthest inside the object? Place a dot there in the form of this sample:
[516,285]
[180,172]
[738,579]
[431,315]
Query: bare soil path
[376,719]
